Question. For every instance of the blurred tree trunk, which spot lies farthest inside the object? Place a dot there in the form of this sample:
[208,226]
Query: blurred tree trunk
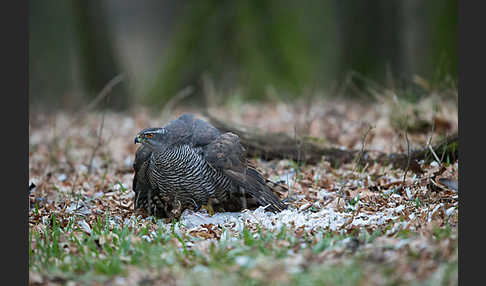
[251,44]
[442,60]
[390,41]
[429,39]
[368,37]
[413,36]
[52,78]
[97,59]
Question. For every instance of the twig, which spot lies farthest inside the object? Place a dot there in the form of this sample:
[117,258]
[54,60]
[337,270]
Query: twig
[103,93]
[362,151]
[73,190]
[69,160]
[435,155]
[358,158]
[127,207]
[74,184]
[53,143]
[169,106]
[98,143]
[408,155]
[298,145]
[428,145]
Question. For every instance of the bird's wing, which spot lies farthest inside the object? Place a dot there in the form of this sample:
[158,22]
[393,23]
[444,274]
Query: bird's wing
[179,131]
[203,133]
[226,154]
[141,155]
[140,184]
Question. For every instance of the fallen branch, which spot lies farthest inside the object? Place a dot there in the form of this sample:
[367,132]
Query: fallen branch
[282,146]
[312,150]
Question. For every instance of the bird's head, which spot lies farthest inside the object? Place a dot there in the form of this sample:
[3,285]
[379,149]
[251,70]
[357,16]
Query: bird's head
[152,137]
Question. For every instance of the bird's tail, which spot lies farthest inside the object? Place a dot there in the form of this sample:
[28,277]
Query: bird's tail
[262,190]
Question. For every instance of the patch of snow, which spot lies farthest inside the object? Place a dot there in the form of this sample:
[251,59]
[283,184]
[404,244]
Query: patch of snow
[82,168]
[305,206]
[147,238]
[242,260]
[62,177]
[409,193]
[399,208]
[389,191]
[98,195]
[326,219]
[119,186]
[431,214]
[324,194]
[449,211]
[79,208]
[85,226]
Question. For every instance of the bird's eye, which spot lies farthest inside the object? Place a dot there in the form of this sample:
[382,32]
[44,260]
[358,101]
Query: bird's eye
[149,135]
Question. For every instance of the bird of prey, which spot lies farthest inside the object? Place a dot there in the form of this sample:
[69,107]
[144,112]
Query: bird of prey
[189,163]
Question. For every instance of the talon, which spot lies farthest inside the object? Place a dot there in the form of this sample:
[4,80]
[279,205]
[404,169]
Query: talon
[209,208]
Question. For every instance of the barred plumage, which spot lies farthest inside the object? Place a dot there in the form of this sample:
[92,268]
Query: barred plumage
[181,172]
[189,163]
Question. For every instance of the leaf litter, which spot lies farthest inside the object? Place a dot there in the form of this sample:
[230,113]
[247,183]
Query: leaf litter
[402,218]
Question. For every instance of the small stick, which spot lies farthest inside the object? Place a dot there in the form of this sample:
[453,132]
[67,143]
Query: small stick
[435,155]
[98,143]
[169,106]
[408,155]
[363,142]
[358,158]
[103,93]
[74,184]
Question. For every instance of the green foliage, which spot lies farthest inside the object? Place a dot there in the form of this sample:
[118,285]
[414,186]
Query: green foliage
[261,48]
[250,258]
[354,200]
[254,44]
[441,233]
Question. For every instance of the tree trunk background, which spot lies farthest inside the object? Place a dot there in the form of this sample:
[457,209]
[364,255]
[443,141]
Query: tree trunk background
[95,47]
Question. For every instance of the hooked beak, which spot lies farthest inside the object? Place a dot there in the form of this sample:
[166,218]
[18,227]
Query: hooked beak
[138,139]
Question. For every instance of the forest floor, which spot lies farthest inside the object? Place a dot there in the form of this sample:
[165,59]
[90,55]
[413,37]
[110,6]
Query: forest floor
[345,225]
